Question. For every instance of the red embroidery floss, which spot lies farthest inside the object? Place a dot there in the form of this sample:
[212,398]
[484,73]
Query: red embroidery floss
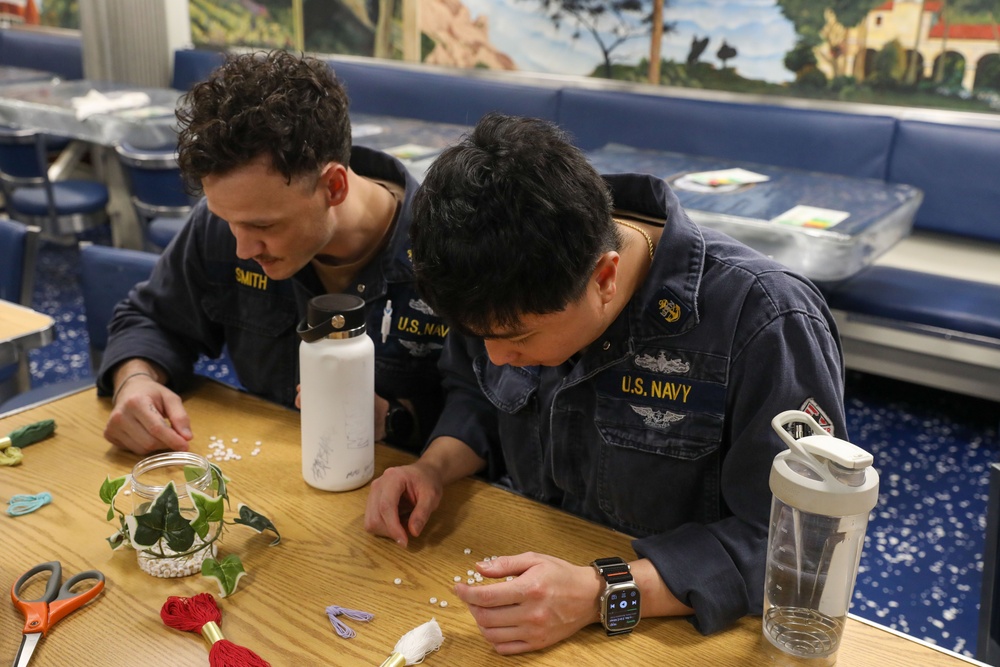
[201,614]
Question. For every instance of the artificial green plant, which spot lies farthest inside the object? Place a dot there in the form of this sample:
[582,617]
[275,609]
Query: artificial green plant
[163,524]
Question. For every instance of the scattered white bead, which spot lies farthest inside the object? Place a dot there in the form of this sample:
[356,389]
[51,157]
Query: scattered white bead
[510,578]
[470,572]
[212,438]
[458,578]
[255,452]
[257,443]
[434,601]
[236,439]
[468,551]
[470,581]
[127,492]
[397,581]
[444,603]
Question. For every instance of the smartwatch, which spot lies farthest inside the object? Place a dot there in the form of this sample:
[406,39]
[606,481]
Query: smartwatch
[619,603]
[398,424]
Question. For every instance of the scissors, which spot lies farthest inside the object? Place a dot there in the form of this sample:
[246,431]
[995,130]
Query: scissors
[55,604]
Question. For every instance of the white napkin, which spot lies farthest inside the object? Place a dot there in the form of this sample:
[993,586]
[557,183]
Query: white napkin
[96,102]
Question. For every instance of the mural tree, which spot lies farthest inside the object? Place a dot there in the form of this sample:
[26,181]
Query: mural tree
[697,48]
[610,24]
[725,52]
[816,22]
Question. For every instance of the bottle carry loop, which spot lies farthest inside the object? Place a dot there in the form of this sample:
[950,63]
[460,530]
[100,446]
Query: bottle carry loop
[331,327]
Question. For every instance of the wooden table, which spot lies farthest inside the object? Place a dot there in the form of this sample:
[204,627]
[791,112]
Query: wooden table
[21,329]
[325,558]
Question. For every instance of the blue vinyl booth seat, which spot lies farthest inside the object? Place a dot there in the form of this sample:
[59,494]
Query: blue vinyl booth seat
[42,50]
[18,247]
[58,208]
[157,189]
[922,300]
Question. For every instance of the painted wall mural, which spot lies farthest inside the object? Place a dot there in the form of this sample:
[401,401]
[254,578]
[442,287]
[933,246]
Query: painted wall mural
[58,13]
[925,53]
[929,53]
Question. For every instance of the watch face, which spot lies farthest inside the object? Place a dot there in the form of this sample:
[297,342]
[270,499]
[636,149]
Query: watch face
[621,609]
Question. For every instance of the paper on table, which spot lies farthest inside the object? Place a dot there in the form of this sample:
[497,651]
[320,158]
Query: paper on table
[365,130]
[412,151]
[719,180]
[812,217]
[95,102]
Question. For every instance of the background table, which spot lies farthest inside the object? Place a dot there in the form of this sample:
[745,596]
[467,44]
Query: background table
[48,106]
[325,558]
[880,213]
[21,329]
[416,142]
[10,74]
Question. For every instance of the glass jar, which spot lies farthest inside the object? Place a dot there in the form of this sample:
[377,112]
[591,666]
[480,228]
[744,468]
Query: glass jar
[150,477]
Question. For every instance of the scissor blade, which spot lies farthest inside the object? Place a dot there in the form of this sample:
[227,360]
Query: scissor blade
[28,643]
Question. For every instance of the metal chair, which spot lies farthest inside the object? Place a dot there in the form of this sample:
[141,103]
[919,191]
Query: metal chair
[59,208]
[18,247]
[988,641]
[158,193]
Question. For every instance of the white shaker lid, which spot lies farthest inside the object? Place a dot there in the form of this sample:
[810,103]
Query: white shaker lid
[821,474]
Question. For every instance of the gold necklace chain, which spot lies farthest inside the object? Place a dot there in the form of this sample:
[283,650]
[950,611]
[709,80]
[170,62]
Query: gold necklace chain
[649,239]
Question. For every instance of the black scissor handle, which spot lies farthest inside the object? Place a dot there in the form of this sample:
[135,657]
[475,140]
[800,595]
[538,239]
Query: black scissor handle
[65,591]
[52,590]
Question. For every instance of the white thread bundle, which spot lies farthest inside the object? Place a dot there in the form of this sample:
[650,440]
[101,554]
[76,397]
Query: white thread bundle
[415,645]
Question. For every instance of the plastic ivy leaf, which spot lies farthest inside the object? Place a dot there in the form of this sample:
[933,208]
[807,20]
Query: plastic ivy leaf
[117,540]
[257,521]
[219,482]
[109,489]
[163,520]
[227,573]
[210,510]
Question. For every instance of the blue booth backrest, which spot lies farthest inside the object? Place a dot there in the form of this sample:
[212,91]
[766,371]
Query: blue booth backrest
[394,91]
[826,141]
[957,167]
[192,66]
[62,54]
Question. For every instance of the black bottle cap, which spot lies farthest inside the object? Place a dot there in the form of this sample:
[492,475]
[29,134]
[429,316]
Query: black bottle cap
[333,313]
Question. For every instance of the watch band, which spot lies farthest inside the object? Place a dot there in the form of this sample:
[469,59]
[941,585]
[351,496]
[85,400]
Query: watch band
[614,569]
[398,424]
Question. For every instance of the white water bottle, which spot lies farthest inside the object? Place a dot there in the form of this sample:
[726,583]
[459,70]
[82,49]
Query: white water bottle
[337,374]
[823,490]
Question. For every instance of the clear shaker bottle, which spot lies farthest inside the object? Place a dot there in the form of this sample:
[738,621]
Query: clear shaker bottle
[337,374]
[823,490]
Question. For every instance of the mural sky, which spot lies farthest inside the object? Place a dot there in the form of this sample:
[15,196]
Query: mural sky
[756,28]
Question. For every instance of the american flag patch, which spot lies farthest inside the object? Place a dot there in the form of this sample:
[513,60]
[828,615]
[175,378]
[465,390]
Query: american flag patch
[811,408]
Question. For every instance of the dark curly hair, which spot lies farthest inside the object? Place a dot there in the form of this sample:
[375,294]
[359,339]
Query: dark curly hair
[510,221]
[288,107]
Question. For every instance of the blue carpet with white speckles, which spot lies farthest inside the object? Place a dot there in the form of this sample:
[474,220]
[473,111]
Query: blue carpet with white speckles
[921,568]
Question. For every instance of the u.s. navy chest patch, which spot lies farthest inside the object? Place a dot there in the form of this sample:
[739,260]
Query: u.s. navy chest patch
[417,328]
